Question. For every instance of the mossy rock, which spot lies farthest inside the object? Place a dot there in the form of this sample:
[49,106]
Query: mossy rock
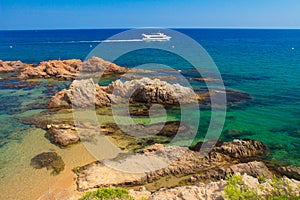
[50,160]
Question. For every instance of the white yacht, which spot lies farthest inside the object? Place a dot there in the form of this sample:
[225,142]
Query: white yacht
[156,37]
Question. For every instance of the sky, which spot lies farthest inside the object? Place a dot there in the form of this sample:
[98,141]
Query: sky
[77,14]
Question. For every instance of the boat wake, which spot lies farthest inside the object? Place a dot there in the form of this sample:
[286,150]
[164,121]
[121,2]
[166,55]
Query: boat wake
[91,41]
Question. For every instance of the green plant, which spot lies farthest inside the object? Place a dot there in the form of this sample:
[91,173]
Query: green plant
[262,178]
[281,190]
[107,193]
[237,190]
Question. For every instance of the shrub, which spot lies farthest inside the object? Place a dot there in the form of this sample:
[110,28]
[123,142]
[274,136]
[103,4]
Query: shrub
[237,190]
[107,193]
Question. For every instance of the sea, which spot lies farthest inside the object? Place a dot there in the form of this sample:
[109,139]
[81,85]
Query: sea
[264,63]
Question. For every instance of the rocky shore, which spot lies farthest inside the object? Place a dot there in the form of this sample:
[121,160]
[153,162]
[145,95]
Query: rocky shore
[148,166]
[192,175]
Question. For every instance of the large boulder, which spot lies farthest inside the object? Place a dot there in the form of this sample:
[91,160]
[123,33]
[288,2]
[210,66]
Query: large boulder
[147,90]
[96,64]
[62,134]
[82,93]
[242,149]
[254,169]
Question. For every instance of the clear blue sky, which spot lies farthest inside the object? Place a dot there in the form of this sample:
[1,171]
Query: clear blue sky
[63,14]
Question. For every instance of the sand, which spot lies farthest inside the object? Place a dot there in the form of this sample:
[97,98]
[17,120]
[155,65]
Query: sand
[19,180]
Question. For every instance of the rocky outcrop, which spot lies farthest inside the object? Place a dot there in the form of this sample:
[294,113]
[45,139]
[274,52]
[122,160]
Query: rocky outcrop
[10,66]
[60,69]
[210,191]
[62,134]
[96,64]
[216,190]
[158,161]
[85,93]
[289,171]
[242,149]
[152,91]
[82,93]
[70,69]
[254,169]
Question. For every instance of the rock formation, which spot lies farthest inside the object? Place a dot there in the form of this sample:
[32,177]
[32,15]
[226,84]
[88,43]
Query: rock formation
[153,91]
[10,66]
[216,190]
[70,69]
[60,69]
[96,64]
[62,134]
[289,171]
[241,149]
[160,161]
[82,93]
[85,93]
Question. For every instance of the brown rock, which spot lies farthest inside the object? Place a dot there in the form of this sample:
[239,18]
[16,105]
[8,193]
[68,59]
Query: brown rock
[96,64]
[60,69]
[62,134]
[10,66]
[210,191]
[254,169]
[82,93]
[289,171]
[242,149]
[158,161]
[70,69]
[152,91]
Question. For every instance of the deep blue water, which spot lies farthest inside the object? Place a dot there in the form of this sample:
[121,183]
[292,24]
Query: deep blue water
[263,63]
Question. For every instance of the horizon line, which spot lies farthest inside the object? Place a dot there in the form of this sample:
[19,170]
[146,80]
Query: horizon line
[97,28]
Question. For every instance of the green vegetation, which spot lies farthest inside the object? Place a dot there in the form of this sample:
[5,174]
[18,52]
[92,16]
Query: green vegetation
[237,190]
[107,193]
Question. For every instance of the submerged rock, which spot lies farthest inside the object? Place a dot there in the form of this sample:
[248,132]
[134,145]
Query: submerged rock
[50,160]
[234,133]
[207,79]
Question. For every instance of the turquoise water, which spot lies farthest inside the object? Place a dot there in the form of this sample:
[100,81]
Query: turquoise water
[263,63]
